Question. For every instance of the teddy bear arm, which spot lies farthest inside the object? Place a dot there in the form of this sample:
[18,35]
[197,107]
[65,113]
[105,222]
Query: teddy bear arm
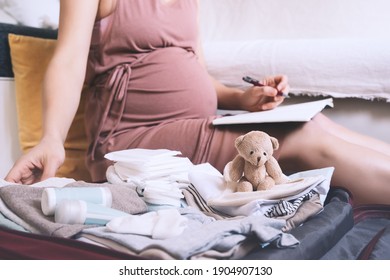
[266,184]
[237,168]
[274,170]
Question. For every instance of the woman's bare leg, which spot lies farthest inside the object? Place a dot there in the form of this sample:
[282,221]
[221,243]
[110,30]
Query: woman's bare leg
[365,172]
[352,136]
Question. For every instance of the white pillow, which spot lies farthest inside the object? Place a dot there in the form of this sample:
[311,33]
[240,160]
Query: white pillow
[326,67]
[34,13]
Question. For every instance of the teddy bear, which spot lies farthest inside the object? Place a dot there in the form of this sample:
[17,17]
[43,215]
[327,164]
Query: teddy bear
[255,167]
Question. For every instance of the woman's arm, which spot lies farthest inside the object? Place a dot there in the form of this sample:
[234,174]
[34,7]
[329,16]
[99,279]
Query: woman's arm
[66,71]
[251,99]
[62,87]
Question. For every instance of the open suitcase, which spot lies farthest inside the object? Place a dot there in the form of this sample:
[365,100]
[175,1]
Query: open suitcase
[369,239]
[339,232]
[319,234]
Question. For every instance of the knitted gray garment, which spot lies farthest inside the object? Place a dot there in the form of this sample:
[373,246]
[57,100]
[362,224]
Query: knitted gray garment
[25,202]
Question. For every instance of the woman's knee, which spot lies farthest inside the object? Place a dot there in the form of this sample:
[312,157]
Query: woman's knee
[308,143]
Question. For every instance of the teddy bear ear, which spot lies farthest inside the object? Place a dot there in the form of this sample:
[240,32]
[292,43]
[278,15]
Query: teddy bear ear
[239,140]
[275,143]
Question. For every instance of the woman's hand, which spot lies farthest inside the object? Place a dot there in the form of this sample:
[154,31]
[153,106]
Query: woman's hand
[265,98]
[40,163]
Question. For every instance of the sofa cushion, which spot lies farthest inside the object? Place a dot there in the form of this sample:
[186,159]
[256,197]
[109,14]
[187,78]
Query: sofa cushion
[5,29]
[340,68]
[30,57]
[239,20]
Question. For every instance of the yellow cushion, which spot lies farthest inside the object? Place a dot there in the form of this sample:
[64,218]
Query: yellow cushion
[30,57]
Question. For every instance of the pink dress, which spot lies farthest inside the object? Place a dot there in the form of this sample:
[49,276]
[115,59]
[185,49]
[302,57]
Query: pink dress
[147,88]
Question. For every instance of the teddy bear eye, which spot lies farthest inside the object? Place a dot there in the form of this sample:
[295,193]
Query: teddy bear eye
[251,153]
[265,154]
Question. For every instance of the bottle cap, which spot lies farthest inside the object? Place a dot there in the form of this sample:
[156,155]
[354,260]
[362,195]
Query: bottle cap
[106,197]
[48,201]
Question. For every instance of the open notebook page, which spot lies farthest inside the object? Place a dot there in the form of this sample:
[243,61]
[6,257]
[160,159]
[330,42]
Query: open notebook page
[301,112]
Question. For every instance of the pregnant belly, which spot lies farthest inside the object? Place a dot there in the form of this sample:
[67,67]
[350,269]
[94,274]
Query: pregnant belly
[166,85]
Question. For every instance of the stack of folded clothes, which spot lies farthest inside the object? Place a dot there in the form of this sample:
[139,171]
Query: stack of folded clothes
[158,174]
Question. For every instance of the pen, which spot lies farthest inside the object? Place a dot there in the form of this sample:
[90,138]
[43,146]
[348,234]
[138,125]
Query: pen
[258,84]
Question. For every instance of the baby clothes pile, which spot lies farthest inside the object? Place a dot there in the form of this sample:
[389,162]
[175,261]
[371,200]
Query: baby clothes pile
[159,175]
[300,198]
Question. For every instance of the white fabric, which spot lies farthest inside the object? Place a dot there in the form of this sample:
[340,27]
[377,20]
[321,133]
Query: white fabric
[220,194]
[139,158]
[326,67]
[158,174]
[53,182]
[150,164]
[161,224]
[179,171]
[158,193]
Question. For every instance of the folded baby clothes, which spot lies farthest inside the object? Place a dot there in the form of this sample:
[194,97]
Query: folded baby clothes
[160,193]
[288,207]
[145,164]
[204,234]
[219,196]
[159,175]
[159,224]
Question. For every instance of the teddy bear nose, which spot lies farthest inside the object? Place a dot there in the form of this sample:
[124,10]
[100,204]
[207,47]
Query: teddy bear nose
[258,159]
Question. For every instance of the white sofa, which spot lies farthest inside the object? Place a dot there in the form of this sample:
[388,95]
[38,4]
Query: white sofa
[333,48]
[337,48]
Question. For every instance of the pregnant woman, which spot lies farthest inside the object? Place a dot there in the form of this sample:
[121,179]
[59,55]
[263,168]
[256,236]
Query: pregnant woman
[148,87]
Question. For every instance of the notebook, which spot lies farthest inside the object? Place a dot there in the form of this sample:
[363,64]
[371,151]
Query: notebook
[301,112]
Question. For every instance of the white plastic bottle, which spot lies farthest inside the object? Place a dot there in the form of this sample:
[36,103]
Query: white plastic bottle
[51,197]
[82,212]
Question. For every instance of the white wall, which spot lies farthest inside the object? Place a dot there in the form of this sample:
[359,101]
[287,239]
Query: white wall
[9,143]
